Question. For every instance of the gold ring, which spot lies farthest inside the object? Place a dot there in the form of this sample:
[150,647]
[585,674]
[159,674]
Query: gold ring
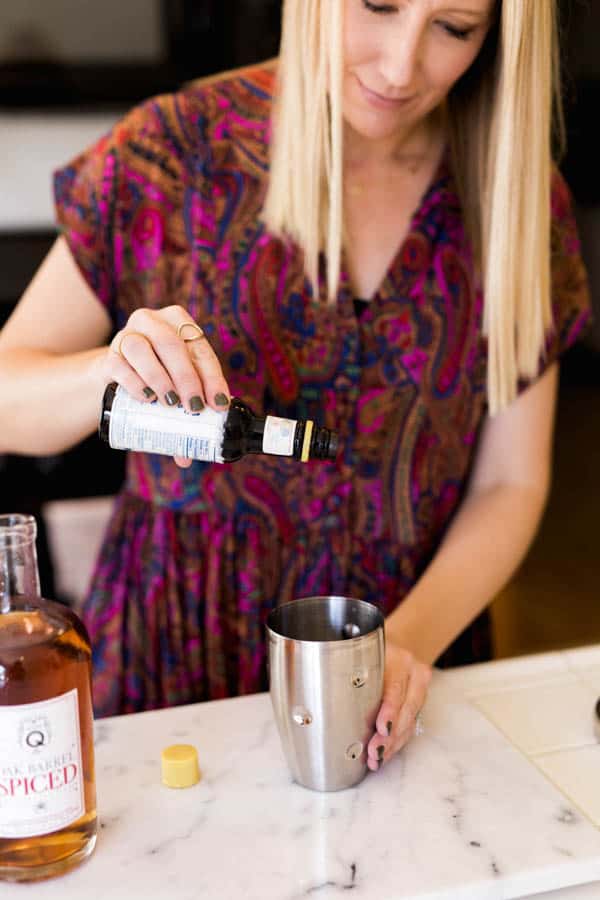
[199,334]
[118,342]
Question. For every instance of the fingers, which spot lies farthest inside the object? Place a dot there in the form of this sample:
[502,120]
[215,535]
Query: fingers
[116,368]
[176,370]
[139,352]
[403,716]
[200,356]
[404,695]
[209,369]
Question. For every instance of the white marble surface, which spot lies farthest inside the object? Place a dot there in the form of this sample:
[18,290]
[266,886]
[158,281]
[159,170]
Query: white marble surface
[33,145]
[461,814]
[545,706]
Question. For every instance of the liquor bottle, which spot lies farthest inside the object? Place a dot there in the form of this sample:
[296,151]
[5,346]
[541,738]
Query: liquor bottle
[47,787]
[211,436]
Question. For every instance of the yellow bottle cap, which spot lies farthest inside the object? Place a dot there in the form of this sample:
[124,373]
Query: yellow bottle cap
[180,766]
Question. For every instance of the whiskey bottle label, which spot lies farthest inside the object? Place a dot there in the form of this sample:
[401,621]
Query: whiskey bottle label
[278,437]
[41,779]
[153,428]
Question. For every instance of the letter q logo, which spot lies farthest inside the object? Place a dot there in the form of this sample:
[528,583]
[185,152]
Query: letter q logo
[35,734]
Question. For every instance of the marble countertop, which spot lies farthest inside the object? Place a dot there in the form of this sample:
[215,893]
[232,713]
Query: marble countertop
[466,812]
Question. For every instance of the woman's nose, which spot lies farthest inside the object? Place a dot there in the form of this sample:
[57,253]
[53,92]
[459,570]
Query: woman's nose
[401,57]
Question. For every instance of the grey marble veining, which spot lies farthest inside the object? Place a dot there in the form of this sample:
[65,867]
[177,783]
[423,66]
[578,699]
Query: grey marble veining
[460,814]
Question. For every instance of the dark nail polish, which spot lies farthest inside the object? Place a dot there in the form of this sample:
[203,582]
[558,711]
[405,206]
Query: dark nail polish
[221,400]
[380,752]
[149,393]
[172,398]
[196,404]
[389,728]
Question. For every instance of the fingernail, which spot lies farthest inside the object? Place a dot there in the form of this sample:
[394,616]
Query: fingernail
[221,400]
[149,393]
[196,404]
[380,752]
[389,728]
[172,398]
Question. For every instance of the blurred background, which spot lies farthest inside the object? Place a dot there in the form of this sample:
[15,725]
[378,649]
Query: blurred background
[68,70]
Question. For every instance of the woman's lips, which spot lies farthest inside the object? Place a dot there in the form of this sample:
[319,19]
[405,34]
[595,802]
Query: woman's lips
[380,102]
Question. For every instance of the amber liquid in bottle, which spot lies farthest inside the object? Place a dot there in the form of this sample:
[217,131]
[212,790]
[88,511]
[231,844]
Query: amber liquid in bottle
[44,654]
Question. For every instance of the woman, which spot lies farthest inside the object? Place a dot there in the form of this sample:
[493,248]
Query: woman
[333,222]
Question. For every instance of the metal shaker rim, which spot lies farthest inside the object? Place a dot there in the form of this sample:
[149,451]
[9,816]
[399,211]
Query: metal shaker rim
[283,622]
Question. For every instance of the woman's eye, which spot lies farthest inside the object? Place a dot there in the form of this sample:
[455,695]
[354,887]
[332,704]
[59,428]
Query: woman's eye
[379,8]
[461,34]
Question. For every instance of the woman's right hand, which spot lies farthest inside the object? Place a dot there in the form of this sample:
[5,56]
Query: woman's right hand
[151,360]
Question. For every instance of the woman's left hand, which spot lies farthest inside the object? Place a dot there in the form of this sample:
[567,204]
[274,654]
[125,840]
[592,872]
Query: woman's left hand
[404,691]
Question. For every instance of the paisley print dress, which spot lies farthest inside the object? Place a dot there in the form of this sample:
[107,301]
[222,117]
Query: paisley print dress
[166,209]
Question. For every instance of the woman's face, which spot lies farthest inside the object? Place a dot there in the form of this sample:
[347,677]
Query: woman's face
[402,58]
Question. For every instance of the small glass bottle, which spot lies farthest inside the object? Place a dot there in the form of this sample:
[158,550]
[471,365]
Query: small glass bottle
[128,424]
[47,785]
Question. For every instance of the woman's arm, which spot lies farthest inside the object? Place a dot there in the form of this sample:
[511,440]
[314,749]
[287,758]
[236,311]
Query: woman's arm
[54,362]
[492,529]
[487,539]
[49,386]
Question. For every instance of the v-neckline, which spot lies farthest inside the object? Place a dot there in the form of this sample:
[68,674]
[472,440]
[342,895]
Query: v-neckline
[440,172]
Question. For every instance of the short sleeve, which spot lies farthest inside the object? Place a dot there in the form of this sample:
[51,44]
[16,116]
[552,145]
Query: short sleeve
[113,202]
[571,308]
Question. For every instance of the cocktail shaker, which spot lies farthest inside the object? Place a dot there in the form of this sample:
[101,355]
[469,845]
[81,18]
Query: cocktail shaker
[326,663]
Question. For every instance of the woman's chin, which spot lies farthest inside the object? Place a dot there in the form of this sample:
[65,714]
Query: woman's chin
[376,131]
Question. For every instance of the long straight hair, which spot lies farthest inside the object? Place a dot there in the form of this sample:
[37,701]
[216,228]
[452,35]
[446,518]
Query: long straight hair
[500,118]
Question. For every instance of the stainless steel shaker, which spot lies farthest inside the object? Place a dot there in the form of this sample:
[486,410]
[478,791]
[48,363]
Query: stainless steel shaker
[326,661]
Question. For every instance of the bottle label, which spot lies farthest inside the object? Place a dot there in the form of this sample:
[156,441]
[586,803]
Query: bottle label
[153,428]
[41,778]
[278,437]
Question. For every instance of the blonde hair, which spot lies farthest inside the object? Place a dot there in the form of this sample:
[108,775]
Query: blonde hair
[500,118]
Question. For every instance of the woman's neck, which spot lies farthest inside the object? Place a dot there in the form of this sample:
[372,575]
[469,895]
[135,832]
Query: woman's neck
[408,151]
